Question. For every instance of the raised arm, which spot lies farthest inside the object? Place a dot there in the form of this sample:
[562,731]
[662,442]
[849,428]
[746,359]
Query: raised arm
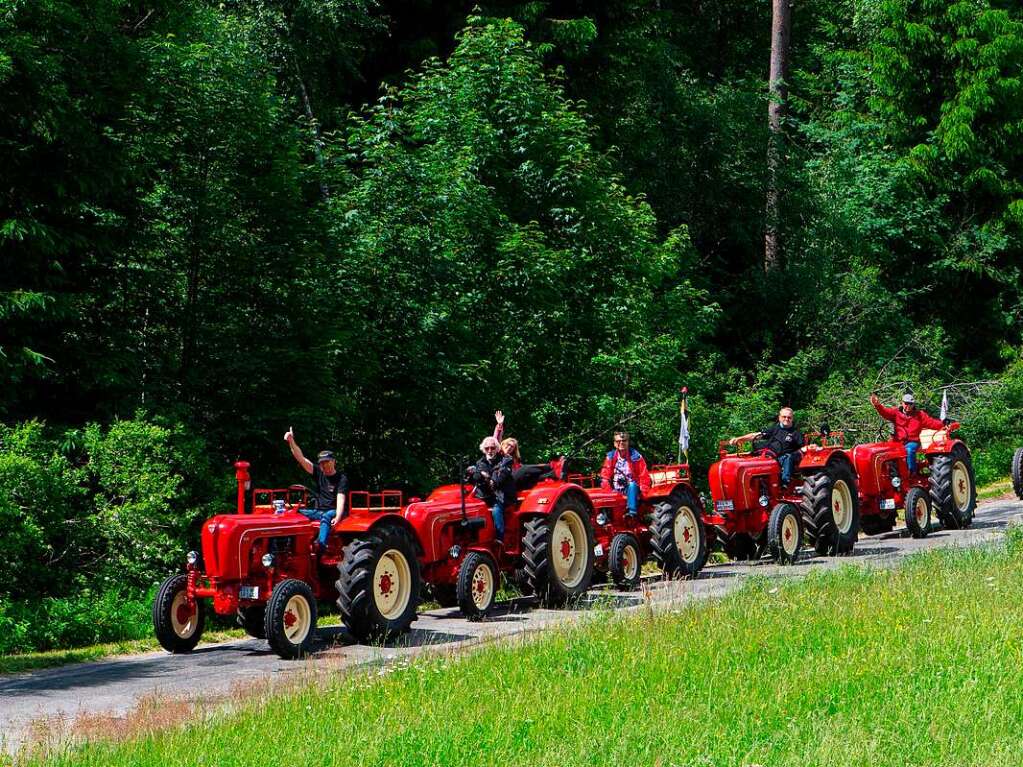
[296,451]
[499,427]
[887,413]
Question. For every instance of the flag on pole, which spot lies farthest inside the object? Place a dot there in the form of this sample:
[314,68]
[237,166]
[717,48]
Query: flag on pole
[944,405]
[683,429]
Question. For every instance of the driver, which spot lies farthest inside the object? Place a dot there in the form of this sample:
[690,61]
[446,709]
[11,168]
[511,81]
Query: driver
[784,442]
[625,472]
[494,483]
[331,489]
[908,422]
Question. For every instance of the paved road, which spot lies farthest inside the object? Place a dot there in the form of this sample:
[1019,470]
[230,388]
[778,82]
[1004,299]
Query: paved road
[53,698]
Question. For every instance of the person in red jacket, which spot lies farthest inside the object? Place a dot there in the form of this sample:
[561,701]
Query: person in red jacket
[908,420]
[625,472]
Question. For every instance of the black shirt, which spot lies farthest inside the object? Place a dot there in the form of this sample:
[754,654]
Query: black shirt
[782,439]
[499,484]
[327,488]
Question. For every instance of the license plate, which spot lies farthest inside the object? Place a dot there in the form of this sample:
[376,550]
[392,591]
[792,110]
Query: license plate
[598,550]
[888,504]
[724,505]
[248,592]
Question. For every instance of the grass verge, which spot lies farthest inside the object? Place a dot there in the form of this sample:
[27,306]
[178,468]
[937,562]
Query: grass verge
[914,666]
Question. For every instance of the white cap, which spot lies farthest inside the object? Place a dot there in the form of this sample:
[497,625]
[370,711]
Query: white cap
[908,399]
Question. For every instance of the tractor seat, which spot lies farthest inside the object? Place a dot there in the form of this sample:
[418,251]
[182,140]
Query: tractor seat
[929,437]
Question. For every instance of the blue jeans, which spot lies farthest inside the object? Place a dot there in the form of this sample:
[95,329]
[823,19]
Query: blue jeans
[787,461]
[632,496]
[911,448]
[324,517]
[497,512]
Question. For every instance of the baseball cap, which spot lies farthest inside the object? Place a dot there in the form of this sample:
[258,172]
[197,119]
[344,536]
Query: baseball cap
[325,455]
[908,399]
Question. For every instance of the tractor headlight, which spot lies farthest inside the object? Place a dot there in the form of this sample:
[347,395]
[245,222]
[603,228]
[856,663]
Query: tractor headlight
[896,482]
[267,560]
[455,551]
[192,557]
[764,500]
[602,518]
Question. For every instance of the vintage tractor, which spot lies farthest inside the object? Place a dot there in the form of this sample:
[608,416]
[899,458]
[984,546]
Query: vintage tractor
[943,482]
[759,514]
[669,527]
[261,565]
[1017,473]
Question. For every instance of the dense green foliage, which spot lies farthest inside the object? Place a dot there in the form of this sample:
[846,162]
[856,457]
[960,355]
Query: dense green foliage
[740,681]
[380,221]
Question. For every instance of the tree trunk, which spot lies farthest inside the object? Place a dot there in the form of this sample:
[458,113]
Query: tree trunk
[781,29]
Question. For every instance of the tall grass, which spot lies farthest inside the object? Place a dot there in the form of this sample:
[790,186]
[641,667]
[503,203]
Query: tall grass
[916,666]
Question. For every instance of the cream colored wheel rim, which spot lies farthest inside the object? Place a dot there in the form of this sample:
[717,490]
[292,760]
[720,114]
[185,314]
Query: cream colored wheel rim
[920,512]
[841,506]
[482,586]
[184,619]
[630,562]
[687,535]
[789,534]
[960,486]
[298,619]
[569,549]
[392,584]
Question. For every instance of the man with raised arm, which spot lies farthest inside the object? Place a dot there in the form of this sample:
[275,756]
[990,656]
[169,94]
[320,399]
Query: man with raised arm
[783,441]
[908,420]
[330,492]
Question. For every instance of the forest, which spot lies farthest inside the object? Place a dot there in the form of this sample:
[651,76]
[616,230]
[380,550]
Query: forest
[379,221]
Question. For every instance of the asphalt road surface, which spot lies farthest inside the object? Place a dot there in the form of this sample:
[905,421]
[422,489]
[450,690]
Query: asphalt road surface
[51,700]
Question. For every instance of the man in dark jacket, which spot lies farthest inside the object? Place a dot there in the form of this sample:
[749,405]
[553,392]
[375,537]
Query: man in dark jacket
[495,485]
[625,472]
[782,440]
[908,422]
[331,488]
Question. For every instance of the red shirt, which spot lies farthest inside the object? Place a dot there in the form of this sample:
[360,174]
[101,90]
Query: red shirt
[637,468]
[908,425]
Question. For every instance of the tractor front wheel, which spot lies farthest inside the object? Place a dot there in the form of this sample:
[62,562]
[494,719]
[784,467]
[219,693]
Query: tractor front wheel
[831,509]
[784,534]
[678,537]
[379,584]
[477,585]
[918,512]
[953,489]
[624,561]
[557,551]
[1017,472]
[177,623]
[290,619]
[252,619]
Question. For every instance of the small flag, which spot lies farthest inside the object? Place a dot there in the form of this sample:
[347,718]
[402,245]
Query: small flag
[683,429]
[944,405]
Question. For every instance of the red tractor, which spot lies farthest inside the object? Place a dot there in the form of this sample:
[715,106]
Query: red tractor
[754,512]
[263,567]
[943,482]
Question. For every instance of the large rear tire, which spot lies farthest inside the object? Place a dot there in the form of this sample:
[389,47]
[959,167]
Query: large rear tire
[874,524]
[742,547]
[178,626]
[678,536]
[918,512]
[784,534]
[290,619]
[1017,473]
[953,489]
[379,585]
[252,619]
[557,551]
[624,561]
[831,509]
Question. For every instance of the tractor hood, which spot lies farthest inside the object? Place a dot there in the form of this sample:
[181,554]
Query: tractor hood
[736,478]
[227,538]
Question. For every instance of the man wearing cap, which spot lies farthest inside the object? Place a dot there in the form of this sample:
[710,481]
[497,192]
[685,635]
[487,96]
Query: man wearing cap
[908,422]
[331,488]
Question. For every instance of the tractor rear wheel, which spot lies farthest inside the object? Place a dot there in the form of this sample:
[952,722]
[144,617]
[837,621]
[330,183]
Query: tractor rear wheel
[831,509]
[678,537]
[624,561]
[379,584]
[742,547]
[557,551]
[953,489]
[784,534]
[918,512]
[875,524]
[290,619]
[251,619]
[178,625]
[477,585]
[1017,472]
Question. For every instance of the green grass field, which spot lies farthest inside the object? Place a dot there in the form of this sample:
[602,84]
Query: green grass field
[916,666]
